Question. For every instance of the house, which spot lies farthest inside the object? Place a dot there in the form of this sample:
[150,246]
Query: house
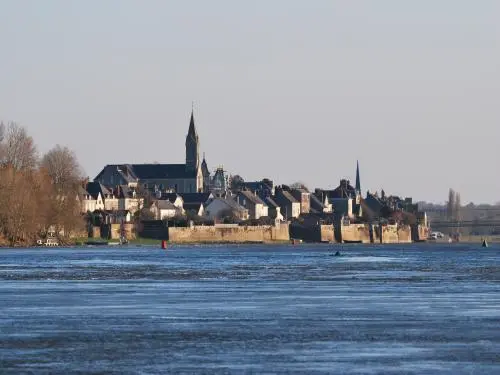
[255,206]
[373,206]
[290,207]
[113,216]
[196,197]
[99,193]
[274,210]
[128,199]
[194,203]
[320,204]
[195,208]
[118,216]
[343,193]
[304,198]
[342,207]
[263,188]
[87,201]
[218,208]
[163,209]
[182,178]
[175,199]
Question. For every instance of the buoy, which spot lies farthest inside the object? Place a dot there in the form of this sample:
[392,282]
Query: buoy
[163,244]
[485,244]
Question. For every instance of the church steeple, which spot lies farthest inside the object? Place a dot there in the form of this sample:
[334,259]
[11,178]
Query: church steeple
[358,181]
[192,147]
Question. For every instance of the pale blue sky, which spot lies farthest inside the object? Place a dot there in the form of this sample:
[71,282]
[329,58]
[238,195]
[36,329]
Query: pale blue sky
[291,90]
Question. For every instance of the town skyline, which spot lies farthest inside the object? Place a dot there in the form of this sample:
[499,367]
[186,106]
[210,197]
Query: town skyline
[289,91]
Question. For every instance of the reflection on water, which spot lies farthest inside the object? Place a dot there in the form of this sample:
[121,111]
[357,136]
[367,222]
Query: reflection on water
[414,309]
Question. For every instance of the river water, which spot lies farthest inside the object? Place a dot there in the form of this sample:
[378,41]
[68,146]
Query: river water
[259,309]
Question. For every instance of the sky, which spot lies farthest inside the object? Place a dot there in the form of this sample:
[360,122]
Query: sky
[284,89]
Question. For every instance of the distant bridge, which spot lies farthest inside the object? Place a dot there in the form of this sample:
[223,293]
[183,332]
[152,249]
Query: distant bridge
[464,224]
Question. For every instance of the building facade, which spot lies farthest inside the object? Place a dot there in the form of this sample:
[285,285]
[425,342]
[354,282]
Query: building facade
[181,178]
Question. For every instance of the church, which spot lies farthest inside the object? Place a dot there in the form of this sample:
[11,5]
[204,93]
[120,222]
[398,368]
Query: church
[191,177]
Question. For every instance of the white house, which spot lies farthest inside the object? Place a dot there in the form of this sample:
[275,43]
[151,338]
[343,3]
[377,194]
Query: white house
[216,208]
[163,209]
[255,206]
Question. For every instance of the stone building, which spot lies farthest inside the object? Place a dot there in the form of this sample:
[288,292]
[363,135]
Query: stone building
[190,177]
[256,207]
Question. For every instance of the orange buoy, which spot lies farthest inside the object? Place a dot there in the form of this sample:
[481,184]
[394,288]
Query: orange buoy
[163,244]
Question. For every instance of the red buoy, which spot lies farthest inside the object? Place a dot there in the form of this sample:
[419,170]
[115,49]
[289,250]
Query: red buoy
[163,244]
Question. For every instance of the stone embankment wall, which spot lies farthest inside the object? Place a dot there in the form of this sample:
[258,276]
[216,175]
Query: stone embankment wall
[230,234]
[327,233]
[390,234]
[312,233]
[404,234]
[367,233]
[355,233]
[114,231]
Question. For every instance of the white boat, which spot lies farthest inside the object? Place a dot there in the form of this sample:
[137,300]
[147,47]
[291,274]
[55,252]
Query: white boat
[50,242]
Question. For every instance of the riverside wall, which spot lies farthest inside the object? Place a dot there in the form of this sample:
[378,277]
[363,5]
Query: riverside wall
[229,234]
[404,234]
[312,233]
[355,233]
[367,233]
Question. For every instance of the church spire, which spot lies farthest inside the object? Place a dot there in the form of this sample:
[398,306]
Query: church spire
[192,128]
[192,146]
[358,181]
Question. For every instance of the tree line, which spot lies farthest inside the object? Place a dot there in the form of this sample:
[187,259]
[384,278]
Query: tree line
[38,193]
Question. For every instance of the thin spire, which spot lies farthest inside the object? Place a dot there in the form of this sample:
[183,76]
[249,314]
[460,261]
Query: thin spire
[192,128]
[358,181]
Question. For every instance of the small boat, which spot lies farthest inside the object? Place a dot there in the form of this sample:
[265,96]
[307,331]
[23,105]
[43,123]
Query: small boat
[484,244]
[50,242]
[353,241]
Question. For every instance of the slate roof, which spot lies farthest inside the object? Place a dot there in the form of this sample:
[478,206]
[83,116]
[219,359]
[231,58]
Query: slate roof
[194,206]
[251,197]
[158,171]
[270,202]
[264,186]
[171,197]
[204,168]
[286,194]
[133,172]
[344,190]
[231,203]
[195,197]
[316,204]
[94,188]
[165,205]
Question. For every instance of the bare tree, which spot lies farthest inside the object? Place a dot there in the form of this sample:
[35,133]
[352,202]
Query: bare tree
[236,182]
[62,168]
[17,148]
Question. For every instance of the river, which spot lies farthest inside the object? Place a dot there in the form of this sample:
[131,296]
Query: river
[251,309]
